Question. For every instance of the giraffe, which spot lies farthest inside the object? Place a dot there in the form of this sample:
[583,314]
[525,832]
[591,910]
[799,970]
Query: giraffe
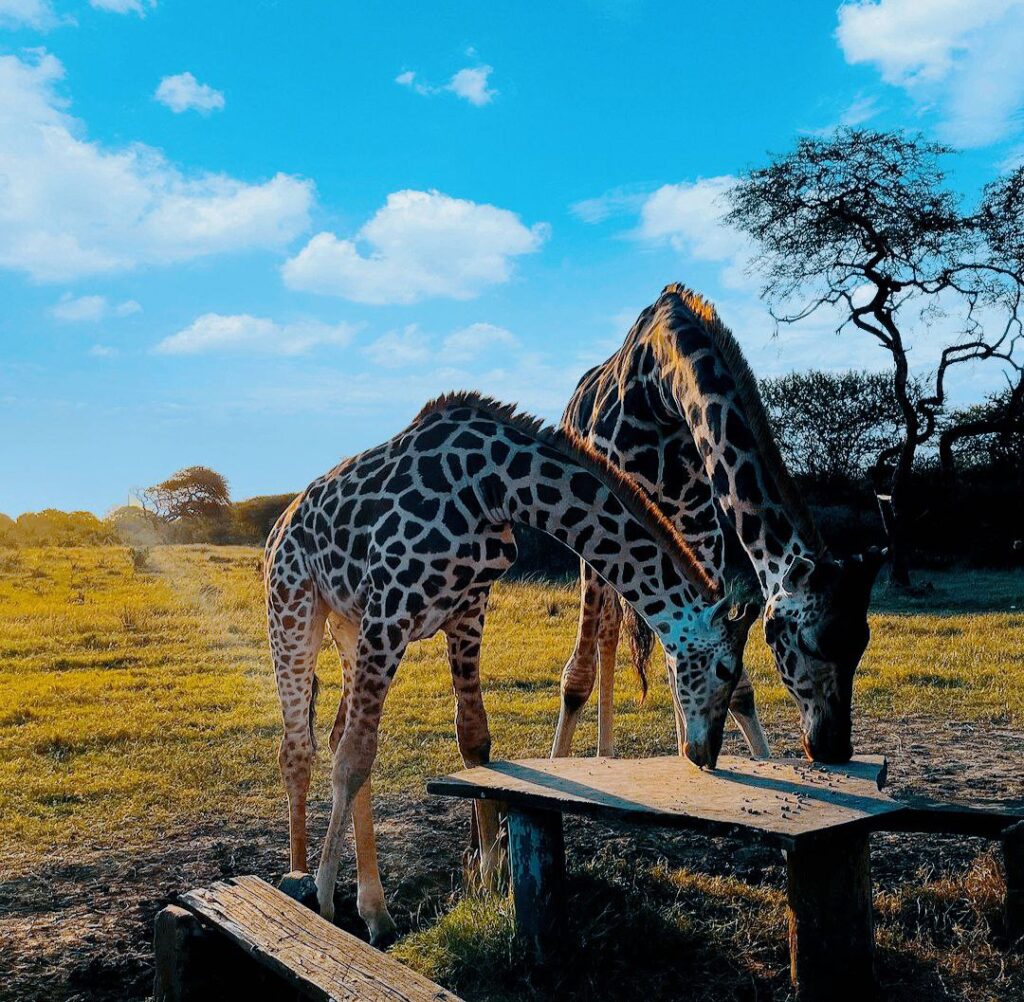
[405,540]
[678,410]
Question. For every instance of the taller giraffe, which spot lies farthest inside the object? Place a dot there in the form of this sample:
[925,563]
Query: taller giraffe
[678,409]
[406,539]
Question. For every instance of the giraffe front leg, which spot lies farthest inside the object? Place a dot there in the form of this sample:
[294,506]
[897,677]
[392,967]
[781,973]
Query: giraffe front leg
[744,711]
[356,751]
[370,903]
[580,670]
[474,736]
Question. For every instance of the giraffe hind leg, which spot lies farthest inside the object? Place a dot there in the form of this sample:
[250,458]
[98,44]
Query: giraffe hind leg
[580,670]
[295,618]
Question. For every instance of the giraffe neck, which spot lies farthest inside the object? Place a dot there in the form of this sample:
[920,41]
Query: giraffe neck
[699,386]
[607,523]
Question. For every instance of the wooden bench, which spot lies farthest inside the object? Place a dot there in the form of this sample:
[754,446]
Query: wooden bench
[820,815]
[242,938]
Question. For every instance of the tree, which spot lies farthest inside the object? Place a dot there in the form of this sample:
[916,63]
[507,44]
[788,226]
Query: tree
[989,435]
[255,517]
[862,223]
[831,426]
[194,493]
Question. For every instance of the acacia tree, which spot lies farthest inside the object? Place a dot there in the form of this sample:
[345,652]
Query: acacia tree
[194,493]
[831,426]
[863,223]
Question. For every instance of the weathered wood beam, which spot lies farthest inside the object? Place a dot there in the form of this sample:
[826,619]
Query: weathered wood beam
[537,861]
[831,925]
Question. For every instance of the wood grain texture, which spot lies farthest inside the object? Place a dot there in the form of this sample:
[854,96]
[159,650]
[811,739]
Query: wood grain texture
[312,957]
[782,801]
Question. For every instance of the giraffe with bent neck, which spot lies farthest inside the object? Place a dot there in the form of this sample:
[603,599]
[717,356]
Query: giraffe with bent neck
[677,409]
[405,540]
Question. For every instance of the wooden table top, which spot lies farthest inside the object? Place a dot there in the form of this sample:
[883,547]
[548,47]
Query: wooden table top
[783,802]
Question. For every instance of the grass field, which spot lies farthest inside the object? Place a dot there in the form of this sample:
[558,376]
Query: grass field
[136,695]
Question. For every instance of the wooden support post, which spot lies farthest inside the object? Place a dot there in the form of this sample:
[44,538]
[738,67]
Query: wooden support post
[537,859]
[831,926]
[181,956]
[1013,866]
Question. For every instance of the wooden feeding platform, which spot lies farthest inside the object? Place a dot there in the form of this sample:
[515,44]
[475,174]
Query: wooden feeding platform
[822,816]
[243,939]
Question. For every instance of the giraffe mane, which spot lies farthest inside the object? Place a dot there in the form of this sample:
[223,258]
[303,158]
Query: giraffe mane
[575,447]
[703,310]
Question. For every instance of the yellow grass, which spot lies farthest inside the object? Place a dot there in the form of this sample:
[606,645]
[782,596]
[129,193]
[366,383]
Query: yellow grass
[132,696]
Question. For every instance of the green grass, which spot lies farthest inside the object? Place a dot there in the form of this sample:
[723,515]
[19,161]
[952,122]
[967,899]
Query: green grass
[136,692]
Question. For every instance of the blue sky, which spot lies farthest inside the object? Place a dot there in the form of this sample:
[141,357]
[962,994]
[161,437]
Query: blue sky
[259,236]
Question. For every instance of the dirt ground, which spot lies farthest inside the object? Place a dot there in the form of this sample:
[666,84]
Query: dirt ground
[81,928]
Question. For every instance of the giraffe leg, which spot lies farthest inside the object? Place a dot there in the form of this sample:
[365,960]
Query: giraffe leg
[744,712]
[607,645]
[370,903]
[357,746]
[473,733]
[581,669]
[295,616]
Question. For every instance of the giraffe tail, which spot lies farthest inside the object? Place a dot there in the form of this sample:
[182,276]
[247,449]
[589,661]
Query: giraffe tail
[312,711]
[641,645]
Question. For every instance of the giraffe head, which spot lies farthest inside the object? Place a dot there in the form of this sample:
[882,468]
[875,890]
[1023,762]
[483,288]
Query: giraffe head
[817,627]
[704,663]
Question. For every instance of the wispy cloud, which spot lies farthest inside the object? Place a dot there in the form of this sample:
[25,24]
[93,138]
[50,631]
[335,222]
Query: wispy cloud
[138,7]
[420,244]
[472,84]
[91,309]
[36,14]
[614,203]
[183,92]
[216,332]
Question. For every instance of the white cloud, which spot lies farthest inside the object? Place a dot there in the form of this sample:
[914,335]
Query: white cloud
[90,309]
[477,339]
[216,332]
[71,208]
[38,14]
[103,351]
[689,216]
[123,6]
[420,244]
[399,349]
[961,58]
[183,91]
[472,84]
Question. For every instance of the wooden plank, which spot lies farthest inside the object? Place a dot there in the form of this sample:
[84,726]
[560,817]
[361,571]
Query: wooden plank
[920,814]
[781,801]
[311,956]
[537,861]
[831,925]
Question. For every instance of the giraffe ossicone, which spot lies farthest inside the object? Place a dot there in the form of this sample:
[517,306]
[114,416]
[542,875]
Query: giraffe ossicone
[406,539]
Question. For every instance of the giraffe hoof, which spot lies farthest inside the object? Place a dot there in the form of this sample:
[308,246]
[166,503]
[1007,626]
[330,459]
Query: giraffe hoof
[383,932]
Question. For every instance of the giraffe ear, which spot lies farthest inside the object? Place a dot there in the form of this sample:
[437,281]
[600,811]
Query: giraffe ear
[719,613]
[800,570]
